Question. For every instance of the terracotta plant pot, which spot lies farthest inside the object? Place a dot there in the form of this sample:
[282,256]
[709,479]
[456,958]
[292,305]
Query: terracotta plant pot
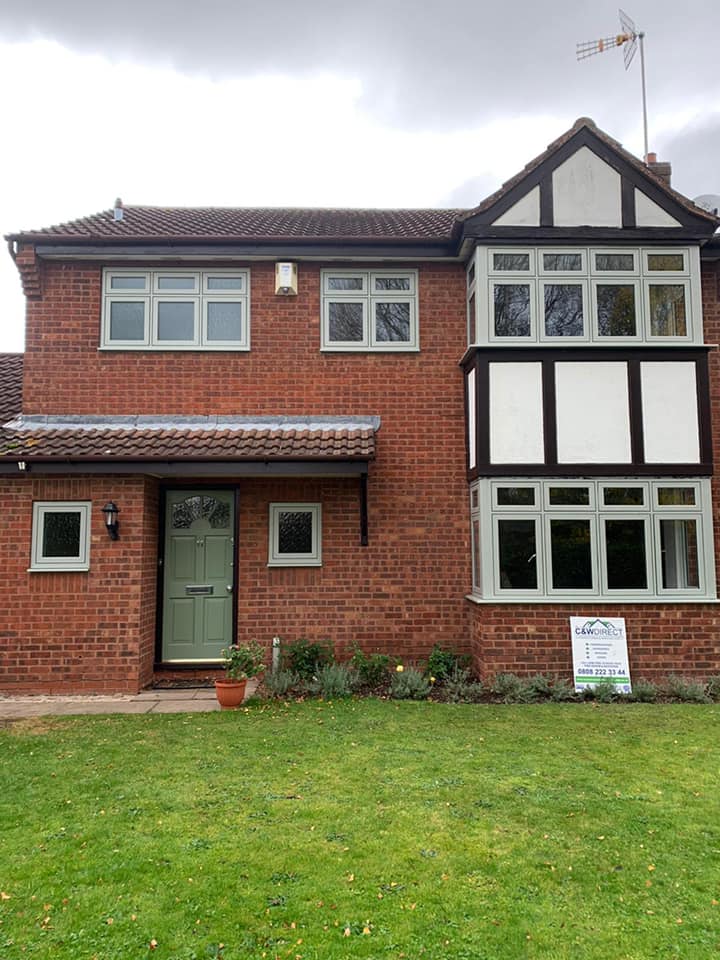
[230,693]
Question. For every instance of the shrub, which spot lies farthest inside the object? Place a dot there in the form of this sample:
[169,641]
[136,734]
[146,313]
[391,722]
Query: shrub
[333,681]
[306,657]
[372,669]
[281,683]
[537,687]
[508,686]
[713,688]
[409,684]
[643,691]
[562,691]
[685,689]
[459,687]
[441,663]
[604,691]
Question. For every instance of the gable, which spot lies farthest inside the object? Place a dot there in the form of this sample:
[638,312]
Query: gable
[586,184]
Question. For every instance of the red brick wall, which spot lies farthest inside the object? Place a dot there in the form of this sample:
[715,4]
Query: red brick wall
[78,631]
[401,594]
[662,639]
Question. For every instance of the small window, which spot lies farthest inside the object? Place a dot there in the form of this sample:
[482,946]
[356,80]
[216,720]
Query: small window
[61,536]
[676,496]
[566,262]
[666,262]
[369,311]
[518,262]
[615,262]
[295,535]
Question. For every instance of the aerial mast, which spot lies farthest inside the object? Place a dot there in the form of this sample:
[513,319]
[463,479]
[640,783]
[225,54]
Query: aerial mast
[629,38]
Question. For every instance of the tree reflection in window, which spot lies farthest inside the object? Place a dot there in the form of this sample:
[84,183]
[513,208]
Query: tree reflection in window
[512,309]
[563,310]
[616,310]
[392,322]
[215,512]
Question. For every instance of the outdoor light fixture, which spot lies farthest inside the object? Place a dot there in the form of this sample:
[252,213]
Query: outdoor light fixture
[111,519]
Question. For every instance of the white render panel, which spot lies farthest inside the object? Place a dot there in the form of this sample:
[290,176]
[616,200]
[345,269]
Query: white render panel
[649,214]
[471,419]
[524,213]
[670,418]
[593,413]
[586,192]
[516,413]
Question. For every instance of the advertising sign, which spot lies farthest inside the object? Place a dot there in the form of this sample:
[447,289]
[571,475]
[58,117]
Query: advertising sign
[599,646]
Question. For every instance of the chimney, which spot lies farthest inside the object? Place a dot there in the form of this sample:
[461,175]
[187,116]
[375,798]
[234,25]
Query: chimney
[660,169]
[118,210]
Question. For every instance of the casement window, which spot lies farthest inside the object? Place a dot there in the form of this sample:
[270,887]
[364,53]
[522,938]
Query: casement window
[60,536]
[369,310]
[584,295]
[295,535]
[620,539]
[176,309]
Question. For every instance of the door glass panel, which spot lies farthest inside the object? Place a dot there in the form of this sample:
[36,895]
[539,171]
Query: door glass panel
[517,551]
[571,554]
[563,310]
[679,552]
[625,547]
[127,320]
[186,512]
[623,496]
[667,310]
[676,496]
[616,310]
[295,531]
[392,322]
[176,320]
[569,496]
[345,322]
[512,309]
[511,261]
[224,321]
[516,496]
[562,261]
[61,534]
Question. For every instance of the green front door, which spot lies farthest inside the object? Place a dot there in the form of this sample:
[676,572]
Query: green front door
[198,574]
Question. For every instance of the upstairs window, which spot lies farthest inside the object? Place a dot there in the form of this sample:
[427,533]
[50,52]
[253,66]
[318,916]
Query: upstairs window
[583,295]
[369,310]
[176,309]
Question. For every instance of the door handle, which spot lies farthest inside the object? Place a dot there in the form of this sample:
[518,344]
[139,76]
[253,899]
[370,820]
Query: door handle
[229,588]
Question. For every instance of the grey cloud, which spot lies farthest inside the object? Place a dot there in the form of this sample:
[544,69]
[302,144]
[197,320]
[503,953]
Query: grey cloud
[423,65]
[469,193]
[694,153]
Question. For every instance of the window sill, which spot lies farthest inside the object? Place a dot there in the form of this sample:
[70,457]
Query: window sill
[587,601]
[294,563]
[346,349]
[191,348]
[83,569]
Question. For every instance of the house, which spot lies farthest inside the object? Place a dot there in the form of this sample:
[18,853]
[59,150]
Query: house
[394,428]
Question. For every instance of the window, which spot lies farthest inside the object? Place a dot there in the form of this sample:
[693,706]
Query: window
[572,539]
[295,535]
[585,295]
[176,310]
[60,536]
[375,310]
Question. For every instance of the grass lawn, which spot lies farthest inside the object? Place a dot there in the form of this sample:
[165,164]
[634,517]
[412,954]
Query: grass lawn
[363,829]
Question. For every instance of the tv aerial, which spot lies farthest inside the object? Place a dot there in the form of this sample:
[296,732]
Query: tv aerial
[629,39]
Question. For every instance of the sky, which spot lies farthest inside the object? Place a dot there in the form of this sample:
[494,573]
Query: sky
[326,102]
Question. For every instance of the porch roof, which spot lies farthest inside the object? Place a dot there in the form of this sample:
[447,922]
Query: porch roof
[122,441]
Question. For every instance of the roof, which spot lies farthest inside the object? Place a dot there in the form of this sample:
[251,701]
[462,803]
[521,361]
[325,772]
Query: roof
[585,123]
[108,439]
[11,367]
[275,224]
[252,224]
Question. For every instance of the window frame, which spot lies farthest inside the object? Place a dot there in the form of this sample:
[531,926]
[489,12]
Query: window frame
[485,512]
[42,564]
[369,298]
[311,559]
[152,296]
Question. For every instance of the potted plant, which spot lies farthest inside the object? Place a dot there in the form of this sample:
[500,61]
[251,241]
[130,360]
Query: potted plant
[241,661]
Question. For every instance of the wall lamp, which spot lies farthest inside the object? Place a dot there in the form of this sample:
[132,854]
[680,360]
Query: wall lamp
[111,520]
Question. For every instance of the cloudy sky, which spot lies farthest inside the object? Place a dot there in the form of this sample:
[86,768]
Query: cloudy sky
[326,102]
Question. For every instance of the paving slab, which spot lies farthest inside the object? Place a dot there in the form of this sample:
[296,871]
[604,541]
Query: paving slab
[184,706]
